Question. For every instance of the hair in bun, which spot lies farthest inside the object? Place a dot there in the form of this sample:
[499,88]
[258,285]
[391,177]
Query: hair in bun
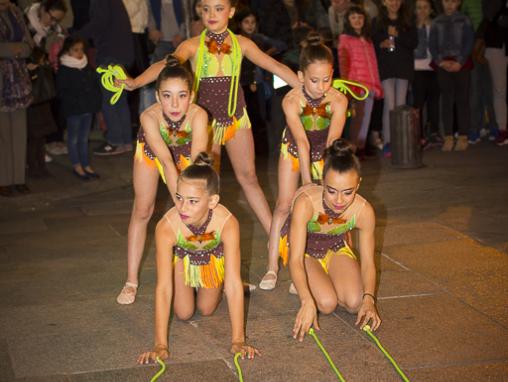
[174,69]
[339,156]
[314,50]
[202,169]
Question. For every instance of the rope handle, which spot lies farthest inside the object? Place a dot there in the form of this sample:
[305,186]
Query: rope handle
[368,330]
[108,76]
[327,356]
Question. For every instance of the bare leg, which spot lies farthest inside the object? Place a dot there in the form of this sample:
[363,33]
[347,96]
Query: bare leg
[208,300]
[347,281]
[183,300]
[145,181]
[241,153]
[287,185]
[320,286]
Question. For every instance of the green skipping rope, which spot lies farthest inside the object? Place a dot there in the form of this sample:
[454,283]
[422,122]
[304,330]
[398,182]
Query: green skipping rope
[367,330]
[327,356]
[161,371]
[238,368]
[108,76]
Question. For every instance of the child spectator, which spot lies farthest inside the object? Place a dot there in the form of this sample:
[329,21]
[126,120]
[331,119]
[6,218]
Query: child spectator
[357,61]
[451,43]
[395,38]
[80,98]
[425,86]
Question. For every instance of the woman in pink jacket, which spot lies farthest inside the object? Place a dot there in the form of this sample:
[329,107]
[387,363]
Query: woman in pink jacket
[357,60]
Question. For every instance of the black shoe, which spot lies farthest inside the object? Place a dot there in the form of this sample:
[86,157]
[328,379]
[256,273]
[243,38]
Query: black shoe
[92,175]
[107,149]
[82,177]
[22,188]
[6,191]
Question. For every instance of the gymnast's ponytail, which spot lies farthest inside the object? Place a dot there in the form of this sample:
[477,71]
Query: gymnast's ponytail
[174,69]
[202,169]
[339,156]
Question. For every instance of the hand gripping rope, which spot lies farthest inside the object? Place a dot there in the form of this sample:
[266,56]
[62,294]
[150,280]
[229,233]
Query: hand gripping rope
[108,77]
[367,330]
[161,371]
[327,356]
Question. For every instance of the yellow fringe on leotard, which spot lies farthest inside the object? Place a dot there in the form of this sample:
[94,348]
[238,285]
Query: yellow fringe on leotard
[210,275]
[141,157]
[222,134]
[284,249]
[317,169]
[295,163]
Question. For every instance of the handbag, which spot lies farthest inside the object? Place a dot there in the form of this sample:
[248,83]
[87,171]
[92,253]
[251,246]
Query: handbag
[43,84]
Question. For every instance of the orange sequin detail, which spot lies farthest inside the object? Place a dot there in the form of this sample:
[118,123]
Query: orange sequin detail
[202,237]
[215,48]
[320,110]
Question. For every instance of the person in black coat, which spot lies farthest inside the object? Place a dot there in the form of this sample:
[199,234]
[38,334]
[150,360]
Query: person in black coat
[80,98]
[395,37]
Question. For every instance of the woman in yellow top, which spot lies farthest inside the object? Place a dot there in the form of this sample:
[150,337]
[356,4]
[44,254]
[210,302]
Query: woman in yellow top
[324,269]
[216,57]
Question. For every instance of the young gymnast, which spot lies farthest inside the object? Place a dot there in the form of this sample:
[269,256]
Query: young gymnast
[315,114]
[216,57]
[323,267]
[173,132]
[198,247]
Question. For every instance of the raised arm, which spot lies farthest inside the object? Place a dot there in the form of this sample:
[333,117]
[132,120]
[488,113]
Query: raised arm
[164,241]
[366,224]
[292,112]
[160,149]
[259,58]
[307,315]
[234,289]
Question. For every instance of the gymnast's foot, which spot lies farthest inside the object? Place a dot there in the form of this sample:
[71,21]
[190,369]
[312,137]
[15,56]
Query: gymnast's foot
[268,281]
[128,294]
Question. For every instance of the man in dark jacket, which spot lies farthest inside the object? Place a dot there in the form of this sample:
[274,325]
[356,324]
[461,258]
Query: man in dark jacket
[110,29]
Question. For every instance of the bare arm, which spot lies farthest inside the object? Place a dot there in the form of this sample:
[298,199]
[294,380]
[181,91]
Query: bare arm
[164,241]
[160,149]
[259,58]
[307,315]
[199,126]
[233,287]
[292,112]
[184,52]
[366,225]
[339,111]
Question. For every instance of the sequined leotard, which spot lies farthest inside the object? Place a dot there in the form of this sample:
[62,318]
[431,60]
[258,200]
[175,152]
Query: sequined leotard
[326,231]
[178,138]
[316,122]
[216,93]
[200,248]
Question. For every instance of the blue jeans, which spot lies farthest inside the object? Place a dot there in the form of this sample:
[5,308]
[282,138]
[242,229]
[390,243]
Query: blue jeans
[117,116]
[78,129]
[395,90]
[147,93]
[481,98]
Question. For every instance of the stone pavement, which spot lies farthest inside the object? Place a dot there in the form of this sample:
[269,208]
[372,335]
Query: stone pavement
[443,291]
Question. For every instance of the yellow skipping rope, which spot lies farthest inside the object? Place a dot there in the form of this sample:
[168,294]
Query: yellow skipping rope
[327,356]
[108,76]
[238,368]
[367,330]
[160,372]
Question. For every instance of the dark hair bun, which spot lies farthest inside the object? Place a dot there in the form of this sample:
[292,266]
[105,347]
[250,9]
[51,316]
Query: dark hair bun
[203,159]
[171,61]
[314,39]
[340,148]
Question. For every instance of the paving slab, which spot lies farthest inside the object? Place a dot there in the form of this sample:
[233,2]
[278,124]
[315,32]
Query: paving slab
[489,372]
[473,272]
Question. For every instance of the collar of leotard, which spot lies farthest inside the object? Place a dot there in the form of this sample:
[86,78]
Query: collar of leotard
[217,37]
[328,211]
[314,102]
[173,125]
[202,228]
